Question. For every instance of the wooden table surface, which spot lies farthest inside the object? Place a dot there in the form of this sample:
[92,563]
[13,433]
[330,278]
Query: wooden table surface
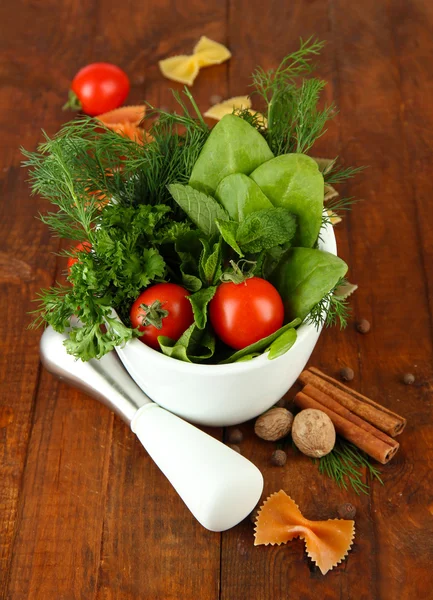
[84,513]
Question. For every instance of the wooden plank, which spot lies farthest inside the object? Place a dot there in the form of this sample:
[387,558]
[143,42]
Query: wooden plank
[388,265]
[264,572]
[72,542]
[152,547]
[26,262]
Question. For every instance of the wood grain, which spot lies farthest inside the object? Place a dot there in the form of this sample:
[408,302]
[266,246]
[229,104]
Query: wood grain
[84,513]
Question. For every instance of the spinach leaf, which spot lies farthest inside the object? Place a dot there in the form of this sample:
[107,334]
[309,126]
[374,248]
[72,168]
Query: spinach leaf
[261,345]
[194,345]
[203,210]
[283,343]
[199,302]
[265,229]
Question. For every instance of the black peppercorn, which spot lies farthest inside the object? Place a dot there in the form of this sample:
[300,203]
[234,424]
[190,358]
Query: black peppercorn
[235,436]
[347,374]
[408,378]
[363,326]
[235,448]
[279,458]
[346,511]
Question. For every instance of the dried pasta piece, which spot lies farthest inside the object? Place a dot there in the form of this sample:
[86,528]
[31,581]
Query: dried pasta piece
[327,542]
[330,193]
[126,121]
[333,217]
[183,68]
[345,290]
[325,164]
[218,111]
[209,52]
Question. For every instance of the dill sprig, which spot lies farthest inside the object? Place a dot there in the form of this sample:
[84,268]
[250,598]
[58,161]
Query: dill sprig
[294,121]
[336,175]
[331,309]
[345,464]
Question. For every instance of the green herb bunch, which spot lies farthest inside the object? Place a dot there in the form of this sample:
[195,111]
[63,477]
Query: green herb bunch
[131,203]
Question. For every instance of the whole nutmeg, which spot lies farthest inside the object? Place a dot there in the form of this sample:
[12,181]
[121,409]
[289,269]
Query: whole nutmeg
[274,424]
[279,458]
[346,511]
[313,433]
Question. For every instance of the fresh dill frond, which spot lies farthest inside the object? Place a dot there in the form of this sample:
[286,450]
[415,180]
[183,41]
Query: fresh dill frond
[294,121]
[345,465]
[337,175]
[331,310]
[294,65]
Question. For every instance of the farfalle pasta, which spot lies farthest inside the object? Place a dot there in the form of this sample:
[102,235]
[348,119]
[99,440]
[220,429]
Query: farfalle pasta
[184,68]
[126,121]
[327,542]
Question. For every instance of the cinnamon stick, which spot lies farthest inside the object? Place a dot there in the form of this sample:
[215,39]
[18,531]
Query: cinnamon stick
[368,410]
[374,446]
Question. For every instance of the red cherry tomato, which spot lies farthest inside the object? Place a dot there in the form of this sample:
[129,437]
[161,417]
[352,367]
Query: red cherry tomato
[81,247]
[163,309]
[100,87]
[244,313]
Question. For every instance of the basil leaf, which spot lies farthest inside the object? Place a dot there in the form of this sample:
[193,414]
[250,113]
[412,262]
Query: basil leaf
[228,230]
[283,343]
[199,302]
[190,282]
[203,210]
[194,345]
[265,229]
[261,345]
[248,357]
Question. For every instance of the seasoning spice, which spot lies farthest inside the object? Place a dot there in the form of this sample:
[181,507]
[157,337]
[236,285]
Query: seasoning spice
[363,326]
[313,433]
[355,417]
[235,448]
[235,436]
[347,374]
[279,458]
[382,418]
[346,511]
[274,424]
[408,378]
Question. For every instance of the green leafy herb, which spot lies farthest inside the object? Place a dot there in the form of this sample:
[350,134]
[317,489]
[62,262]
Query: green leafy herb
[203,210]
[210,262]
[282,344]
[294,121]
[194,345]
[260,230]
[199,302]
[331,309]
[345,465]
[261,345]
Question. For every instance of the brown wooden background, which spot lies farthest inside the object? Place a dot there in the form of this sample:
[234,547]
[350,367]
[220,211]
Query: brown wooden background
[84,514]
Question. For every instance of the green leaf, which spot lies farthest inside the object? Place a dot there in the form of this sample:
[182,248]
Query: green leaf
[228,230]
[261,345]
[283,343]
[199,302]
[265,229]
[233,146]
[240,196]
[294,182]
[248,357]
[305,276]
[210,262]
[191,282]
[194,345]
[203,210]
